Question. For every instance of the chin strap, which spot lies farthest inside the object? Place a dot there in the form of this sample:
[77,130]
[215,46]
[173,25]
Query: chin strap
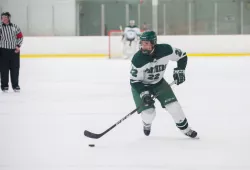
[152,51]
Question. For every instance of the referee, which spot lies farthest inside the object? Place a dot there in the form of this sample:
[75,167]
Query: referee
[11,39]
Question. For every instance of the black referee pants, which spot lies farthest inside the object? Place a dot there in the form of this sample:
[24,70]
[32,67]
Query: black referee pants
[10,63]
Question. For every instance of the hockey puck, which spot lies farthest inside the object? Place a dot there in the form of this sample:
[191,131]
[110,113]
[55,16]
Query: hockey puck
[91,145]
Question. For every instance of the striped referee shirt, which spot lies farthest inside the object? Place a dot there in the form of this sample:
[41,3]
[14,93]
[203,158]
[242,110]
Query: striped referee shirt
[10,36]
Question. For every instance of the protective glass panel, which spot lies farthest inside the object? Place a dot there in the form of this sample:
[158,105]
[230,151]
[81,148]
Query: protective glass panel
[146,15]
[203,17]
[176,17]
[115,15]
[228,17]
[90,18]
[246,16]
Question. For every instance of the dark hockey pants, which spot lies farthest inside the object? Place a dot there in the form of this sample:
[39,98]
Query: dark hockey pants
[10,63]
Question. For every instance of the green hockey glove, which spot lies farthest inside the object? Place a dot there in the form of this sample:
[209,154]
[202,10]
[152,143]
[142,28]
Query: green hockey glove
[147,98]
[179,76]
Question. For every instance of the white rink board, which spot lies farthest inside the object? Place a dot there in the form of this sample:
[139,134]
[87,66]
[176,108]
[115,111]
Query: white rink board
[42,127]
[98,45]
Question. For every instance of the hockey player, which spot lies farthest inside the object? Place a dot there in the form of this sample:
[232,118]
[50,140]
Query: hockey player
[147,70]
[130,39]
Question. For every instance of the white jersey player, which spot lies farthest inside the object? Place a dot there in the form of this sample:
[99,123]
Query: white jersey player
[130,39]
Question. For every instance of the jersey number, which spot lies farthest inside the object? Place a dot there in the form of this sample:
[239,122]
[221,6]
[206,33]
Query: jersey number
[134,72]
[153,77]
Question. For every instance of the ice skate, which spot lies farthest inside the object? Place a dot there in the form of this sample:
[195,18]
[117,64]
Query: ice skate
[191,133]
[146,129]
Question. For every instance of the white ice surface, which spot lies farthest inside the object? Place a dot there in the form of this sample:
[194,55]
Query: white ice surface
[42,127]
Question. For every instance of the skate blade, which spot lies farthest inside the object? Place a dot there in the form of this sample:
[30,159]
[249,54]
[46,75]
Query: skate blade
[197,137]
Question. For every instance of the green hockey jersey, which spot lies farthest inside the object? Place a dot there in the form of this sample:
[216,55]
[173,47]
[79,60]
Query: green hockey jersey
[148,70]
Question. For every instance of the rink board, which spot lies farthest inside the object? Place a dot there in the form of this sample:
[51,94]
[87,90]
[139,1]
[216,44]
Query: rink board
[106,56]
[101,47]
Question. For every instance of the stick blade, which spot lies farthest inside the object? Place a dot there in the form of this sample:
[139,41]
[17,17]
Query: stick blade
[92,135]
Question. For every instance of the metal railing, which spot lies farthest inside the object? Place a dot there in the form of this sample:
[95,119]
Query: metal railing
[166,17]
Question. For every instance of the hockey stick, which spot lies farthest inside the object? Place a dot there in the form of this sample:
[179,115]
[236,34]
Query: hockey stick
[97,136]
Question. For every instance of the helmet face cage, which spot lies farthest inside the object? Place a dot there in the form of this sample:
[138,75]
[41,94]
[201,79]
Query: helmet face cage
[148,36]
[132,22]
[153,42]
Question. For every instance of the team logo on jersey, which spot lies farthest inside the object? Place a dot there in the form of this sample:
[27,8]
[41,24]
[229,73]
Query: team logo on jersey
[169,100]
[157,68]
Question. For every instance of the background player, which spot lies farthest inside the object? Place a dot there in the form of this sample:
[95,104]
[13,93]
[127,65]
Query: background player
[130,39]
[148,68]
